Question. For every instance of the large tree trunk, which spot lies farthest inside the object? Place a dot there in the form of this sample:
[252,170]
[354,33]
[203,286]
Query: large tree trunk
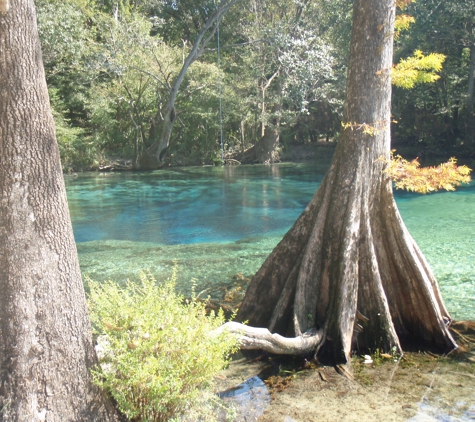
[46,347]
[348,266]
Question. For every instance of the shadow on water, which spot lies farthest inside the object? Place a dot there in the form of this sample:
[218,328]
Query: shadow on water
[250,398]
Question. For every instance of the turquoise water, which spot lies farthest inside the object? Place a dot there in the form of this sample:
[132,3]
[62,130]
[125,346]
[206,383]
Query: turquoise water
[216,222]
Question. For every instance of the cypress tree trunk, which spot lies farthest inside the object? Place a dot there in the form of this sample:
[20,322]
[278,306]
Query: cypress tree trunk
[265,151]
[46,347]
[266,148]
[348,266]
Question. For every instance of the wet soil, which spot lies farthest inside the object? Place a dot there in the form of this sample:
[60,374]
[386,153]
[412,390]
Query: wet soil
[416,387]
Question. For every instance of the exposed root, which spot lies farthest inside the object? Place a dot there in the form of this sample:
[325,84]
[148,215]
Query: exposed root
[252,338]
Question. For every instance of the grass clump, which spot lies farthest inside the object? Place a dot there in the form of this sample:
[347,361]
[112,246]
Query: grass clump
[158,358]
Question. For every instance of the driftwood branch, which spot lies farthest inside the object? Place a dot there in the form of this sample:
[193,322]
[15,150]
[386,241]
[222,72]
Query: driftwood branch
[252,338]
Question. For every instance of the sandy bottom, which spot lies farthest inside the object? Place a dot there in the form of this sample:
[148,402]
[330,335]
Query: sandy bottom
[419,387]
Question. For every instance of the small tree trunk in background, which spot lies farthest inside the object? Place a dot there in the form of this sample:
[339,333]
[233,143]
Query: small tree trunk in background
[266,148]
[152,157]
[348,266]
[243,136]
[265,151]
[46,348]
[470,126]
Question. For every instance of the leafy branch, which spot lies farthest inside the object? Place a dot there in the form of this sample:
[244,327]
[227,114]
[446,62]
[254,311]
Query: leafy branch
[417,69]
[402,23]
[371,129]
[409,175]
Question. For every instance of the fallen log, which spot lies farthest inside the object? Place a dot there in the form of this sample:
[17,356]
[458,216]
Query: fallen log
[252,338]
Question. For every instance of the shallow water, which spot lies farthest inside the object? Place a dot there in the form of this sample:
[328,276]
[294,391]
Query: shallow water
[216,222]
[417,388]
[250,398]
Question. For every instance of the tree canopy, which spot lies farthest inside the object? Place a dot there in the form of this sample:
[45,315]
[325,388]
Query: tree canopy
[111,66]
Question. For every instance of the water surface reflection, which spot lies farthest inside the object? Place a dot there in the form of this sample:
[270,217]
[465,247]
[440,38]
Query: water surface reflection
[219,221]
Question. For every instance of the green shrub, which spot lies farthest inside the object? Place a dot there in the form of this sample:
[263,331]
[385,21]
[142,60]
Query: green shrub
[158,359]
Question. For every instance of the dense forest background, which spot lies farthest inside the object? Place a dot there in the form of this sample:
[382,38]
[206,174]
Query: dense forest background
[279,67]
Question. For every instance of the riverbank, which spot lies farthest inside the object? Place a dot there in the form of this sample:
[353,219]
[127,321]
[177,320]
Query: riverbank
[295,153]
[304,152]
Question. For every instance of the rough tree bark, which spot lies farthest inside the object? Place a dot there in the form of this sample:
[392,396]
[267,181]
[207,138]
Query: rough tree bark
[348,266]
[46,347]
[152,156]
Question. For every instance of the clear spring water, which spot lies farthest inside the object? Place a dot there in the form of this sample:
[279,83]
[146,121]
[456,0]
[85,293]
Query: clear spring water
[216,222]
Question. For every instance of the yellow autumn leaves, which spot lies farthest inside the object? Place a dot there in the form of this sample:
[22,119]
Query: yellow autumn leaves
[409,175]
[418,68]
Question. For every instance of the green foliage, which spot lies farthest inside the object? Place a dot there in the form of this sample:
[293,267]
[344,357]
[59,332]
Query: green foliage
[70,58]
[65,42]
[75,147]
[417,69]
[69,54]
[111,63]
[196,137]
[432,117]
[159,356]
